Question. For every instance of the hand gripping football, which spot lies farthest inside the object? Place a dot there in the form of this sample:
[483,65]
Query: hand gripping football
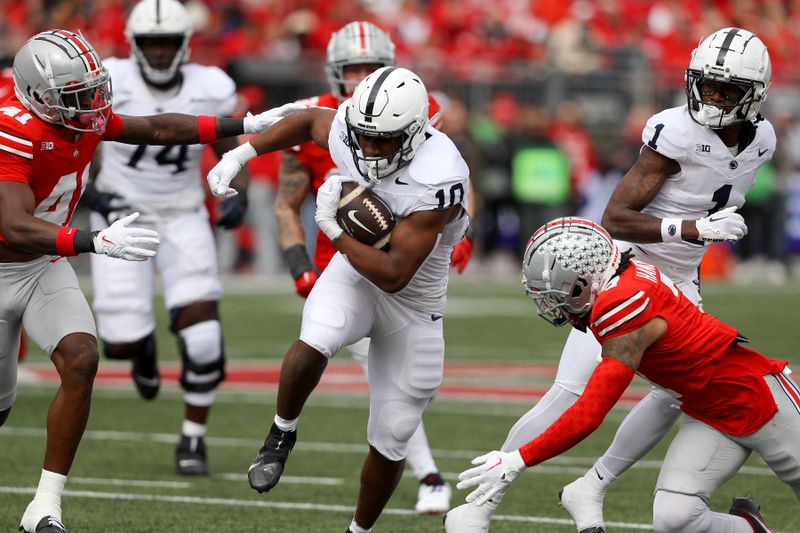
[364,216]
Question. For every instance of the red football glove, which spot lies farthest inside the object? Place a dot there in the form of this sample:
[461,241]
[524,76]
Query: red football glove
[461,254]
[305,282]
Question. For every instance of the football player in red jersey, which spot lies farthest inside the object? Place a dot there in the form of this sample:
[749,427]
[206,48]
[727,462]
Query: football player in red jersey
[734,399]
[354,52]
[49,130]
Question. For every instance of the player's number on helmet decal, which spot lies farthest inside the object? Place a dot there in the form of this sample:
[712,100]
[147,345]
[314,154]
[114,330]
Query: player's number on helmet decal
[720,199]
[162,157]
[455,188]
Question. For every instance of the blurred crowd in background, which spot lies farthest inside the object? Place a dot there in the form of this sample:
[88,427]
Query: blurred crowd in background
[545,99]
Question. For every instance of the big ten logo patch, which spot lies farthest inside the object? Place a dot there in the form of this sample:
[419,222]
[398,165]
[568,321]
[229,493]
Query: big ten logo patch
[703,148]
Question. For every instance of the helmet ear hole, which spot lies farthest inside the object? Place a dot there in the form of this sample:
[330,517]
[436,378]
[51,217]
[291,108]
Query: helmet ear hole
[576,291]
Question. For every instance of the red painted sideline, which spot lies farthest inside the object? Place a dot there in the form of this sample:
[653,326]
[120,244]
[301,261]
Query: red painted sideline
[348,378]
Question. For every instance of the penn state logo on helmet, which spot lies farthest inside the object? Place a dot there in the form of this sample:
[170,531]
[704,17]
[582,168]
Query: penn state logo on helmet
[732,56]
[391,104]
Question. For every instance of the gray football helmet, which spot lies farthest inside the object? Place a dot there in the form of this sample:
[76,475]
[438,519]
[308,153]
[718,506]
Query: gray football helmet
[356,43]
[566,263]
[160,19]
[736,57]
[60,78]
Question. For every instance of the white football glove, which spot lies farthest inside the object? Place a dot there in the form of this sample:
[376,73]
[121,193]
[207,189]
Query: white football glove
[495,472]
[260,122]
[328,197]
[123,242]
[724,225]
[220,177]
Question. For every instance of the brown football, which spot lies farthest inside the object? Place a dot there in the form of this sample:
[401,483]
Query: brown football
[365,216]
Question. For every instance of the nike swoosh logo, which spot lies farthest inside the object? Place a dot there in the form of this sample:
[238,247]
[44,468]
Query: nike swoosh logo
[715,219]
[435,317]
[762,152]
[598,474]
[105,239]
[397,181]
[352,216]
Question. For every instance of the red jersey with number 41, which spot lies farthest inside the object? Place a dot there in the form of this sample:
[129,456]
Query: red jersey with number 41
[697,359]
[320,165]
[52,160]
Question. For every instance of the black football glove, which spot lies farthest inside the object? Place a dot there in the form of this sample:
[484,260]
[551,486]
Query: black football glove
[230,213]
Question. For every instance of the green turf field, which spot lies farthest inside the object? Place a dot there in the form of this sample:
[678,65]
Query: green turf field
[123,479]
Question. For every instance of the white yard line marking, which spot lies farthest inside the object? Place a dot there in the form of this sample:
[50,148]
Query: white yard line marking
[131,482]
[293,506]
[550,467]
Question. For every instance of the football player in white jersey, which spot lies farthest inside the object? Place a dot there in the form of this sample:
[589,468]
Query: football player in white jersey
[380,138]
[163,183]
[695,166]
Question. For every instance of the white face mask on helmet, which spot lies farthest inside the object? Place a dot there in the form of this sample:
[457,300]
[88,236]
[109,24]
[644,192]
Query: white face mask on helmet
[567,262]
[159,19]
[357,43]
[390,103]
[59,76]
[733,56]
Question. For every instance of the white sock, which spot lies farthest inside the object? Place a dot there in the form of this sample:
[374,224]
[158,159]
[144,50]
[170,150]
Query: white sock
[599,478]
[355,528]
[285,425]
[193,429]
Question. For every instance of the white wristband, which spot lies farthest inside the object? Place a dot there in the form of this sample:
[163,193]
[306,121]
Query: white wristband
[671,229]
[242,153]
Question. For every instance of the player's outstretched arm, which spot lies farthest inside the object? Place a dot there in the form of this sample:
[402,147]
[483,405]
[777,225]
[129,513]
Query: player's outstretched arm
[312,124]
[24,232]
[623,217]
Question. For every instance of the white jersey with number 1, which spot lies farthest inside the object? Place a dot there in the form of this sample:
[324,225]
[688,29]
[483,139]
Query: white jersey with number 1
[712,177]
[161,178]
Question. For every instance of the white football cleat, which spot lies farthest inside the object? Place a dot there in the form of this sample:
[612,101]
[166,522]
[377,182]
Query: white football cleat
[433,499]
[584,504]
[469,518]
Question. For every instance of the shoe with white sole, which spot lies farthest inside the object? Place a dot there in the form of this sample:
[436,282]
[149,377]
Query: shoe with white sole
[433,495]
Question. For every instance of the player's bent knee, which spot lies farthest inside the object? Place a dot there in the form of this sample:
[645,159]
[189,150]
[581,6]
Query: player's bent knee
[323,329]
[392,429]
[202,356]
[80,363]
[678,513]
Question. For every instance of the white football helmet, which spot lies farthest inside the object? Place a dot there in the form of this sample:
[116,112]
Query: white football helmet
[162,19]
[734,56]
[356,43]
[390,103]
[60,78]
[567,262]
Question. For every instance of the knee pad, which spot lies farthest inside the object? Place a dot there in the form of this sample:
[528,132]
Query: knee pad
[390,428]
[202,356]
[678,513]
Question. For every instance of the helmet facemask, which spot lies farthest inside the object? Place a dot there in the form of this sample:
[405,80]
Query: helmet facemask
[716,116]
[154,75]
[403,145]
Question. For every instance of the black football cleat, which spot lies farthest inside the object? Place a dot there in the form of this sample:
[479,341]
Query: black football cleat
[145,374]
[48,524]
[747,509]
[190,457]
[266,470]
